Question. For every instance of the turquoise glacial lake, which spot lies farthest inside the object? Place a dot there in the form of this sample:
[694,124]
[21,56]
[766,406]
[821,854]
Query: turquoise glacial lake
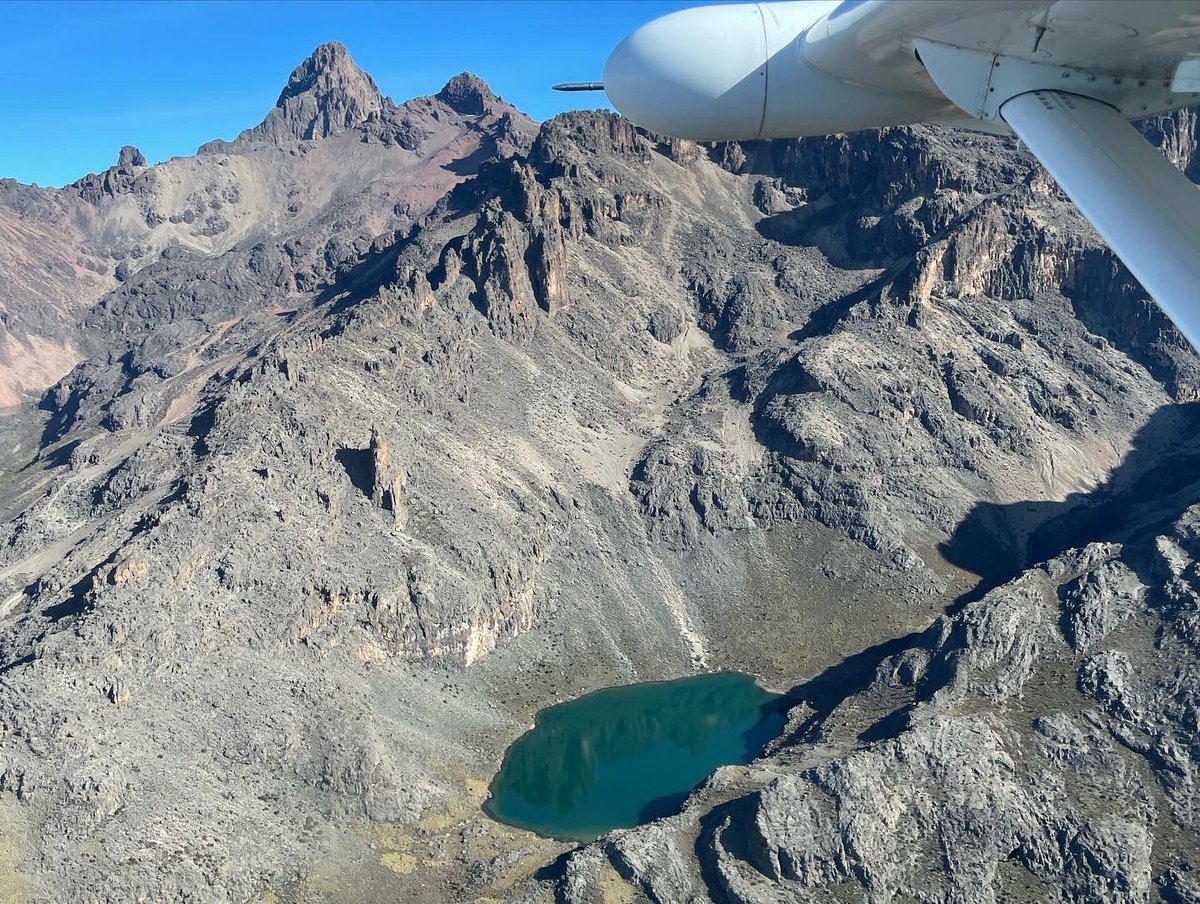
[627,755]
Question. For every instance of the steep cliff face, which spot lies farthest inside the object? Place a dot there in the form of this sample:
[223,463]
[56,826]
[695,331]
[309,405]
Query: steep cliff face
[1176,134]
[988,342]
[343,503]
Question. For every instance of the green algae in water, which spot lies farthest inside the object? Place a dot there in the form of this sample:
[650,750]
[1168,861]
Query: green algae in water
[627,755]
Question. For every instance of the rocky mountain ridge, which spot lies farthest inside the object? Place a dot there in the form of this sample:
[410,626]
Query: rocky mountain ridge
[373,166]
[342,503]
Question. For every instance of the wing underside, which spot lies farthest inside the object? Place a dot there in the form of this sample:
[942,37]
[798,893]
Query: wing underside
[871,41]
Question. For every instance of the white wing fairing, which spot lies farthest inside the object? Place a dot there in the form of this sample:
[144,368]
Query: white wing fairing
[732,71]
[1065,75]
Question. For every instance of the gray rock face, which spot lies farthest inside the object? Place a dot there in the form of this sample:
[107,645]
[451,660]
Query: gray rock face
[130,157]
[324,96]
[1098,602]
[360,475]
[467,94]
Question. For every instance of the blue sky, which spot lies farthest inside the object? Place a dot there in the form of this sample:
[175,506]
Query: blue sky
[82,78]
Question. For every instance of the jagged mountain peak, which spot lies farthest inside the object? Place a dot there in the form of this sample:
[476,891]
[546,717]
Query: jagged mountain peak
[330,73]
[328,94]
[130,157]
[325,95]
[468,94]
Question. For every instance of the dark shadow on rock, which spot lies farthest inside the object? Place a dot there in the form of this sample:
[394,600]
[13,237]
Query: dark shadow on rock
[888,726]
[853,675]
[200,425]
[1158,480]
[823,320]
[723,818]
[850,676]
[556,868]
[17,663]
[360,278]
[738,382]
[61,416]
[360,468]
[1108,300]
[666,805]
[622,869]
[814,227]
[791,378]
[56,458]
[473,162]
[830,230]
[556,872]
[76,603]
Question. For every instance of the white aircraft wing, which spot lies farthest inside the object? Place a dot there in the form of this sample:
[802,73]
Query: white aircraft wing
[1065,75]
[873,41]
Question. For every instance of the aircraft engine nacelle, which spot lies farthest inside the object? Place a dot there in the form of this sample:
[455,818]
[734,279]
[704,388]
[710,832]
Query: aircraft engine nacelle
[737,71]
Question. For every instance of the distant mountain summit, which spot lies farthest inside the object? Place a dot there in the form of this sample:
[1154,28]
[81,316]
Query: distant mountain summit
[468,94]
[130,157]
[324,96]
[328,94]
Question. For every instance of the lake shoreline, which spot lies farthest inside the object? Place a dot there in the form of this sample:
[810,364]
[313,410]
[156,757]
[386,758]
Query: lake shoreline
[630,754]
